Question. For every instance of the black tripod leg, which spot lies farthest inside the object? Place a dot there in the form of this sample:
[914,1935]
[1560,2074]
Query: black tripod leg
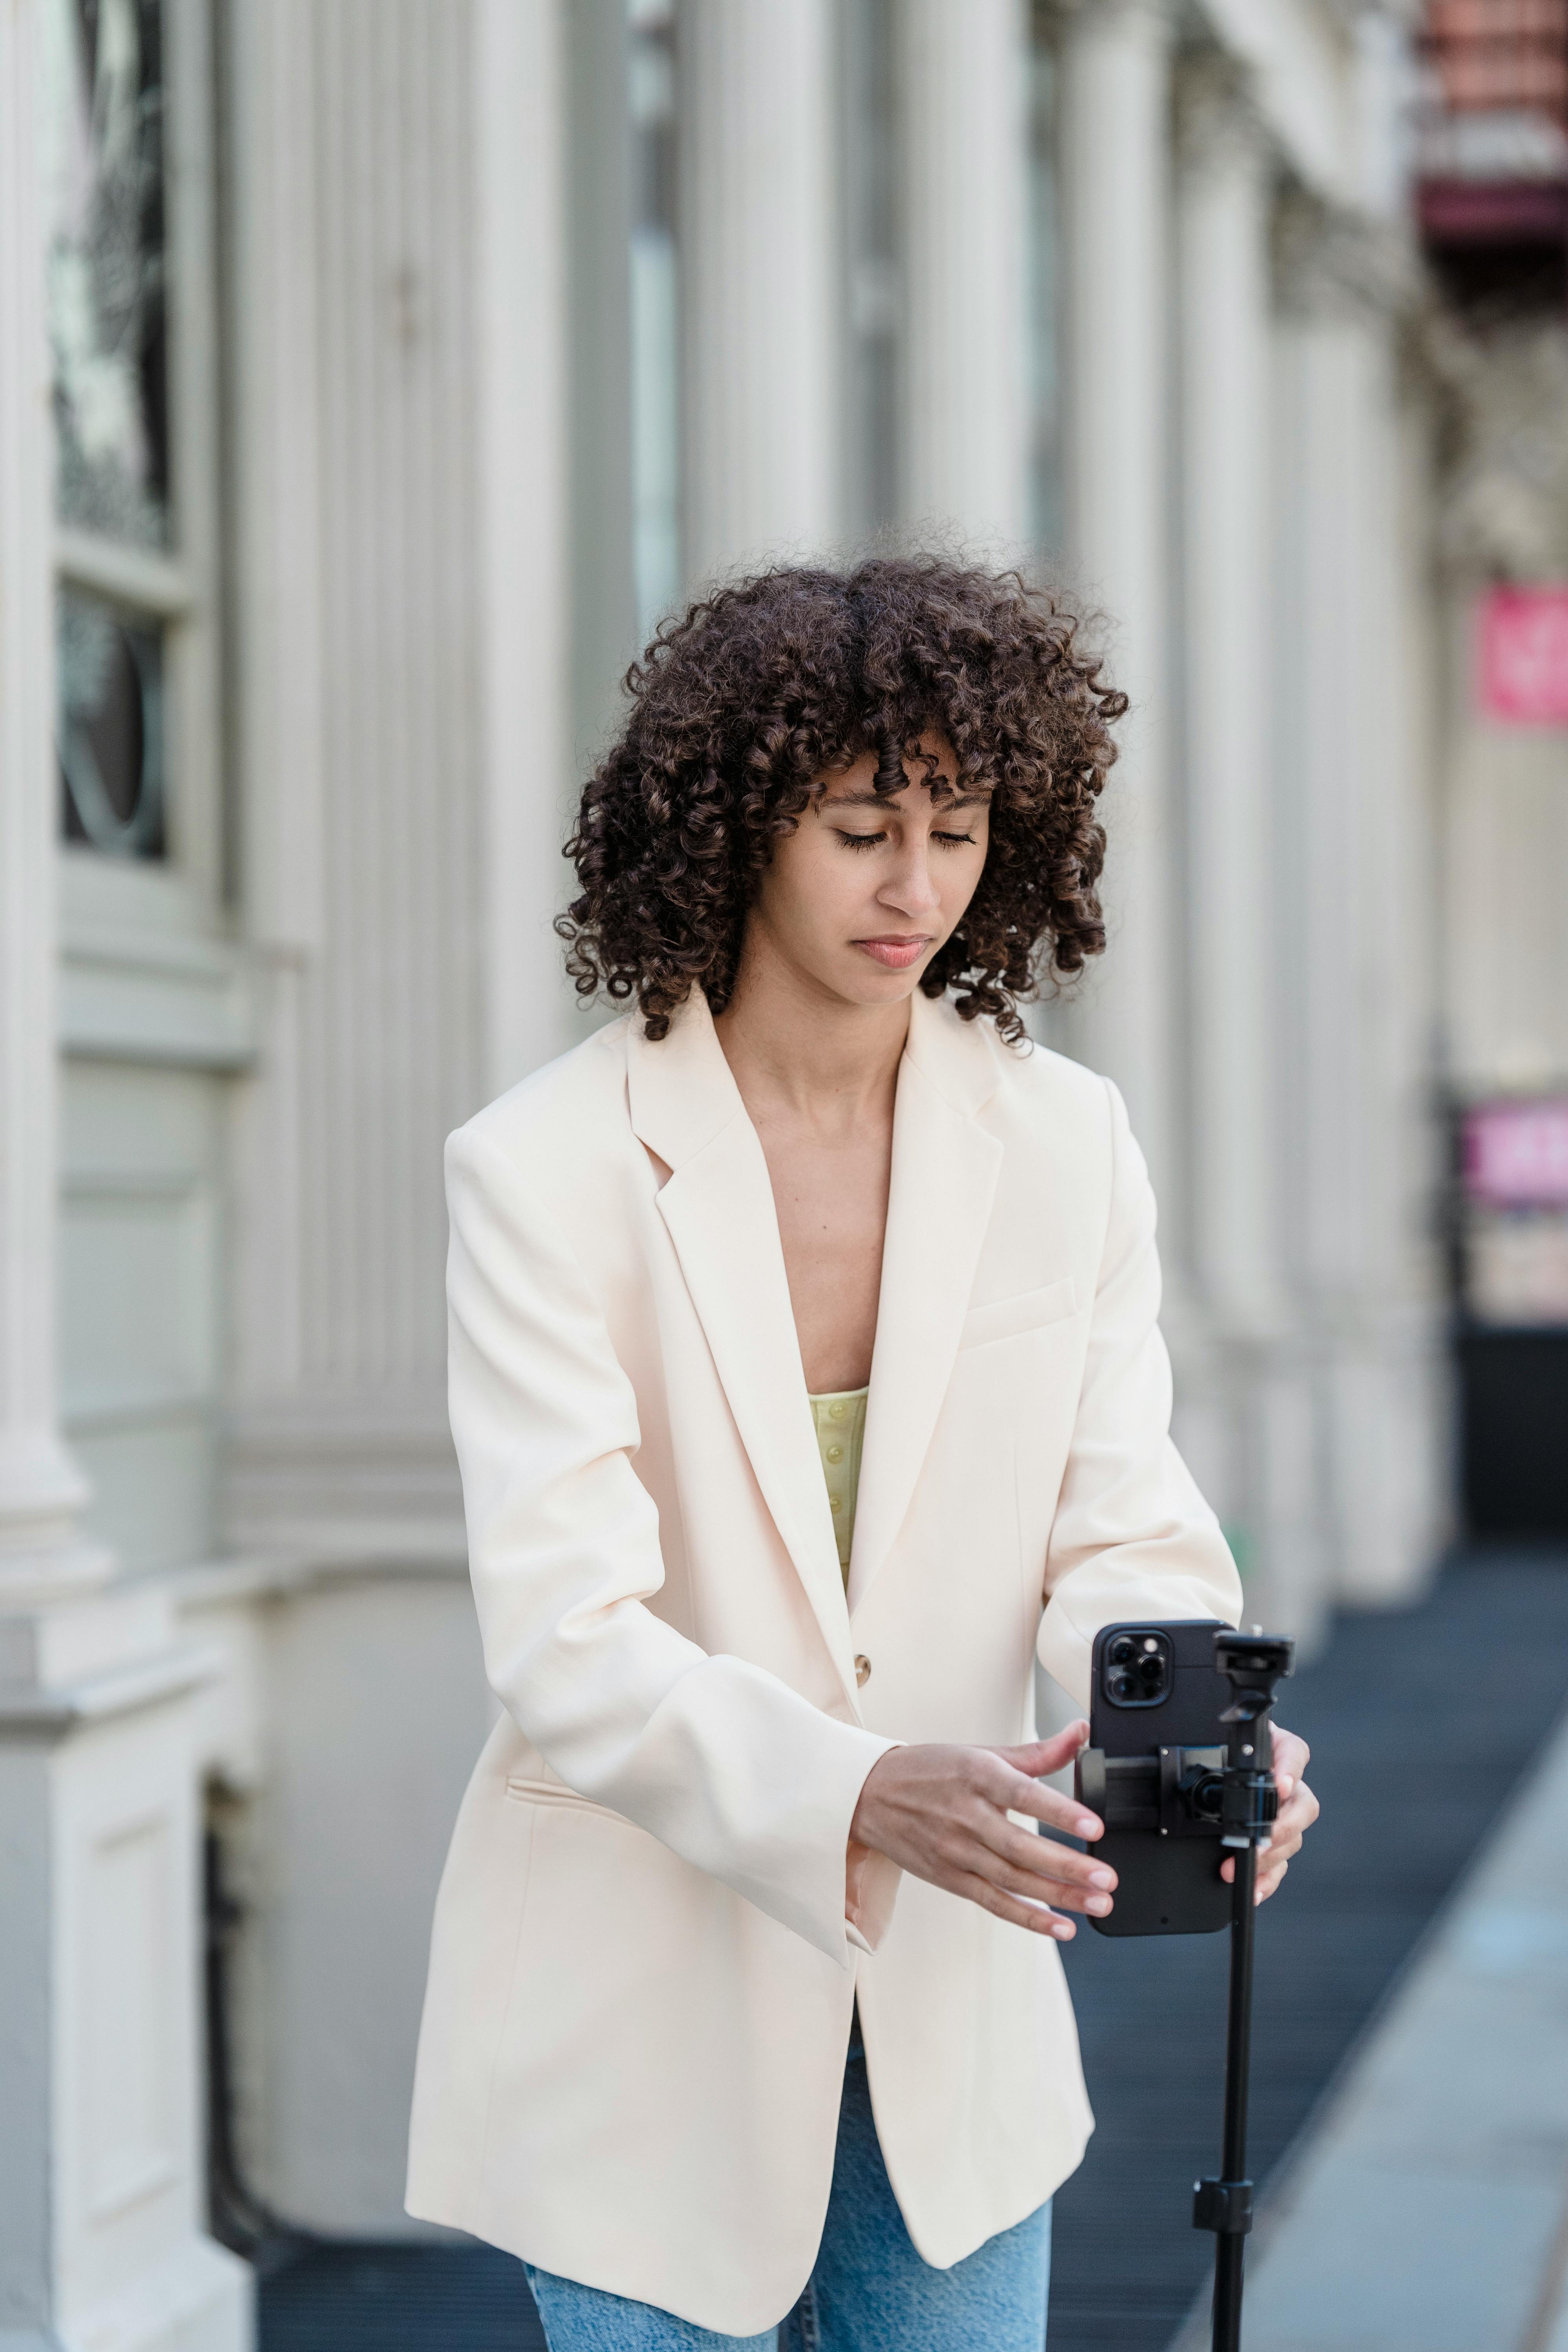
[1224,2205]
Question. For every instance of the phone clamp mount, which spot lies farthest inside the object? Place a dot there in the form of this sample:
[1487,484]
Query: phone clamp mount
[1242,1809]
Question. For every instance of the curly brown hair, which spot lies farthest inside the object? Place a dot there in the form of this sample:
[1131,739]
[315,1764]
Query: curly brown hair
[764,689]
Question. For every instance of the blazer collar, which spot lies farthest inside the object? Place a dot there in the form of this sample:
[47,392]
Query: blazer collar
[945,1166]
[718,1207]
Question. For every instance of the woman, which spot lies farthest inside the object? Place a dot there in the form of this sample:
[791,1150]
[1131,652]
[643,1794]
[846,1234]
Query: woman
[806,1382]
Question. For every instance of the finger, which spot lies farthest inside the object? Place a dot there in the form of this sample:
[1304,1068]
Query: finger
[1305,1804]
[1020,1911]
[1265,1846]
[1024,1875]
[1013,1791]
[1296,1819]
[1291,1755]
[1042,1756]
[1044,1857]
[1095,1901]
[1269,1884]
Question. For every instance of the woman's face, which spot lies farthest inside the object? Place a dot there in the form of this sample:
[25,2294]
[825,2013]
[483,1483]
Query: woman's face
[860,896]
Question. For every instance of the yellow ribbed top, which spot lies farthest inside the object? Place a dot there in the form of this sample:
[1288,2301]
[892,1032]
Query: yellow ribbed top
[840,1419]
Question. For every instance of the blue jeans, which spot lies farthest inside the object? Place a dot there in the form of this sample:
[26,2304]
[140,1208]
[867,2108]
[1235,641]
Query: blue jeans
[870,2291]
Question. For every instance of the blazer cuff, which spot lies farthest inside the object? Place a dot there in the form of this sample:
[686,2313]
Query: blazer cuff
[870,1890]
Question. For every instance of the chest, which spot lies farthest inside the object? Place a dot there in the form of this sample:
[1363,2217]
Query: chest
[830,1197]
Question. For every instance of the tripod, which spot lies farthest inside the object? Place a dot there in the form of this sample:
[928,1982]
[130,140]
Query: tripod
[1248,1802]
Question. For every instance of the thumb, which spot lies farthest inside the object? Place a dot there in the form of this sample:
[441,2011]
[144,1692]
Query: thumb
[1043,1755]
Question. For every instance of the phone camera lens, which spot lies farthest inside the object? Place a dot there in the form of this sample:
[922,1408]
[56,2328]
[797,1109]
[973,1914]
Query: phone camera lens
[1151,1674]
[1122,1649]
[1122,1685]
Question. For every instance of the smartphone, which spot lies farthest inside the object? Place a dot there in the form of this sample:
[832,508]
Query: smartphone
[1157,1688]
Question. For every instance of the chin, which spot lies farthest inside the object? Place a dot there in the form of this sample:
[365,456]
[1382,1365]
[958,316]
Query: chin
[875,987]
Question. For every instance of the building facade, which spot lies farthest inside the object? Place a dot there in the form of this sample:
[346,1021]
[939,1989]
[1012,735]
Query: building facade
[374,375]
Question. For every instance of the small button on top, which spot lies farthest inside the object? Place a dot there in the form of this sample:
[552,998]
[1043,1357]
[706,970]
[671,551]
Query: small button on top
[837,1412]
[835,1453]
[862,1669]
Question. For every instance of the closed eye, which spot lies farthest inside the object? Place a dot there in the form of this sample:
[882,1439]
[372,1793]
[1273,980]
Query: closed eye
[870,840]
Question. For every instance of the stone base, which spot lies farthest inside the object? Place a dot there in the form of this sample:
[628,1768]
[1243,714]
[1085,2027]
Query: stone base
[201,2300]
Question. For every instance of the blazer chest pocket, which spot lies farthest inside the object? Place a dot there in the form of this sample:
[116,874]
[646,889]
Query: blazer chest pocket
[1031,1310]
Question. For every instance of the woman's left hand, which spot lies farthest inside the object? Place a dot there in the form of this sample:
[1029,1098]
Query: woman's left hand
[1298,1811]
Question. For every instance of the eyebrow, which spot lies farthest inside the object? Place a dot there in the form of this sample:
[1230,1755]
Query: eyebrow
[880,800]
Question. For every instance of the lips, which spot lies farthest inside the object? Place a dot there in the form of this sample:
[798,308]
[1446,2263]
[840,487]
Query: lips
[894,954]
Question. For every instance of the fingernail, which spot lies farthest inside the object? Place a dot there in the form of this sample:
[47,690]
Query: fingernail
[1099,1904]
[1086,1826]
[1285,1784]
[1103,1878]
[1062,1931]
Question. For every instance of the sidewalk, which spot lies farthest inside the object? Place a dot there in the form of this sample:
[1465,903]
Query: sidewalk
[1426,1724]
[1427,2209]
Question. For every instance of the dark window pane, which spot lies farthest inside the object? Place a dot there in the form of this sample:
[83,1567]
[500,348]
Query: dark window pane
[654,313]
[103,192]
[110,738]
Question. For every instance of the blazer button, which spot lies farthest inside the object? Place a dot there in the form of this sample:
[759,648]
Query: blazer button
[862,1669]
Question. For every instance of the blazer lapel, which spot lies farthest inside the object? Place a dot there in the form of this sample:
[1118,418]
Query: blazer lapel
[946,1168]
[717,1208]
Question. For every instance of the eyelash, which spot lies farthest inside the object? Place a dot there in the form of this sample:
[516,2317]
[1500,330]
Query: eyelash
[869,840]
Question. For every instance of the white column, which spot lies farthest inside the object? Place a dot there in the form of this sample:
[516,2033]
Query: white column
[1353,873]
[1248,1390]
[100,2146]
[523,465]
[759,281]
[401,286]
[962,81]
[1225,398]
[1115,173]
[41,1490]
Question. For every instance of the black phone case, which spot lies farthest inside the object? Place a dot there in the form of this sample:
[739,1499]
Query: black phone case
[1166,1885]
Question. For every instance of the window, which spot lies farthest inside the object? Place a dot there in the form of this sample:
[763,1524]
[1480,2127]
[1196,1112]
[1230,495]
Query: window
[655,349]
[1044,297]
[874,287]
[125,272]
[154,1010]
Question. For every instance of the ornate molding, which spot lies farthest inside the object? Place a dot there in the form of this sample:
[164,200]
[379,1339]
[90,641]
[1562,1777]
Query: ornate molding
[1330,261]
[1219,120]
[1059,16]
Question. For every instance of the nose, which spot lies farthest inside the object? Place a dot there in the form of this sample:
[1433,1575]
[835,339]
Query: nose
[909,889]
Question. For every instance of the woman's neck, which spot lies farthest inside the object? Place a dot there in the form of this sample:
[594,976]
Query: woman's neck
[809,1054]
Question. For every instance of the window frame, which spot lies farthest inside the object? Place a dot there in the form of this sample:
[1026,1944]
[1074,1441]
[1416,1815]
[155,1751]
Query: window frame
[176,588]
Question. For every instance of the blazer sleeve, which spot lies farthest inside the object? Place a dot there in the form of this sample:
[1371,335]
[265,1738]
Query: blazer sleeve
[725,1764]
[1132,1537]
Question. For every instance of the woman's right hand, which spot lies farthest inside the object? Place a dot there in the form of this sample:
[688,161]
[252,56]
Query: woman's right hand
[942,1813]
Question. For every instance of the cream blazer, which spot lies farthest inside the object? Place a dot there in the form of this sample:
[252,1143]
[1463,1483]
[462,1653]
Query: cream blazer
[647,1942]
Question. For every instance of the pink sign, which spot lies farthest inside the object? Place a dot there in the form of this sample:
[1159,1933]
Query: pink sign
[1524,655]
[1516,1154]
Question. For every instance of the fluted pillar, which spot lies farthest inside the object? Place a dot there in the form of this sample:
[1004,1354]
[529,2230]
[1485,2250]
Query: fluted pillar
[962,82]
[759,281]
[1246,1387]
[41,1490]
[401,241]
[406,760]
[1354,869]
[521,515]
[1115,183]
